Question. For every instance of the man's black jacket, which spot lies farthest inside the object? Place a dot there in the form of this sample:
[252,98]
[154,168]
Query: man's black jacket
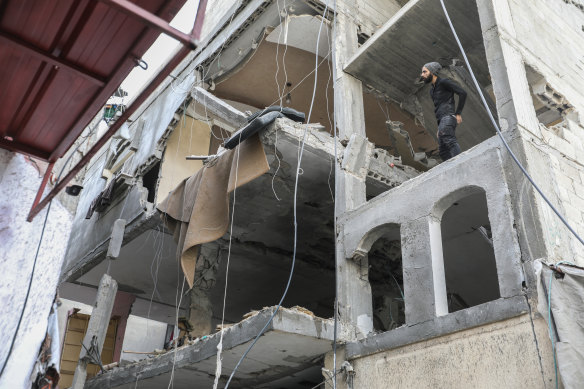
[442,93]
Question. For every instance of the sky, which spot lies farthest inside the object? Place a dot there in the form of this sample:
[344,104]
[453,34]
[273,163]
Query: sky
[160,51]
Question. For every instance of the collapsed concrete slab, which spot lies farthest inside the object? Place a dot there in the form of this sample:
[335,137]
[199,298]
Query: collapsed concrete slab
[289,354]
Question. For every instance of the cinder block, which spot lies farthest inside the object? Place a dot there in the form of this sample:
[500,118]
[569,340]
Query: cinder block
[573,215]
[578,189]
[564,181]
[564,196]
[570,170]
[576,201]
[565,148]
[573,140]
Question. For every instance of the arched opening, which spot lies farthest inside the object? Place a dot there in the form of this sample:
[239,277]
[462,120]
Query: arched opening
[386,279]
[469,259]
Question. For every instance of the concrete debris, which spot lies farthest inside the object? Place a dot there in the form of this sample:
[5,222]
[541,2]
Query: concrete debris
[303,310]
[389,170]
[250,314]
[403,145]
[110,366]
[221,327]
[295,308]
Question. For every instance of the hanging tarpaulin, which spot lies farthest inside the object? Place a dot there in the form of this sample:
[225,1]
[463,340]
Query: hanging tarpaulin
[561,287]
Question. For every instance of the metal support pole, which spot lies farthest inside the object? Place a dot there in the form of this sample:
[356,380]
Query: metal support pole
[43,184]
[153,21]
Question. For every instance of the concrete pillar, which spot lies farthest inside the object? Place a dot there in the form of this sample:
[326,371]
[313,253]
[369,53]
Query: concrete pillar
[200,307]
[97,328]
[517,119]
[424,287]
[122,308]
[349,113]
[354,292]
[514,103]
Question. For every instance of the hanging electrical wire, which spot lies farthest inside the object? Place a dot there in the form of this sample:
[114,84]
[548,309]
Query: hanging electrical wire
[295,211]
[511,153]
[336,303]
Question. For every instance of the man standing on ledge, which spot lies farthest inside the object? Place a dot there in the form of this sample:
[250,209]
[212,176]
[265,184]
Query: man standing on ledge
[442,93]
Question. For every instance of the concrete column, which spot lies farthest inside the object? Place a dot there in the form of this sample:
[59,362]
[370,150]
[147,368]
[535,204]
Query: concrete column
[422,285]
[514,103]
[122,308]
[97,328]
[517,118]
[354,292]
[349,111]
[200,307]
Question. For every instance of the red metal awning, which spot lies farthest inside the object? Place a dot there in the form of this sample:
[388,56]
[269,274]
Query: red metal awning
[62,60]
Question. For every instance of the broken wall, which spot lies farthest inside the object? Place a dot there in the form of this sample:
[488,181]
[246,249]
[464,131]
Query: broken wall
[189,137]
[368,15]
[548,35]
[19,181]
[146,136]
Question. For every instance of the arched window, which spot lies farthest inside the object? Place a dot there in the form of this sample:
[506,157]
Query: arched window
[385,275]
[467,245]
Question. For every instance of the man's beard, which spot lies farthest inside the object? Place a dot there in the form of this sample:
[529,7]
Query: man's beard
[426,80]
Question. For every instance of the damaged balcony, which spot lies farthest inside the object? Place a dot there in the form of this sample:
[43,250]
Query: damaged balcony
[289,354]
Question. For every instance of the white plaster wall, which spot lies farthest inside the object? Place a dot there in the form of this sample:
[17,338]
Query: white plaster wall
[19,181]
[500,355]
[141,334]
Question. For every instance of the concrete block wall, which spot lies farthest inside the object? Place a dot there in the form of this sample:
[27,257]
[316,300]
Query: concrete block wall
[369,15]
[564,148]
[548,35]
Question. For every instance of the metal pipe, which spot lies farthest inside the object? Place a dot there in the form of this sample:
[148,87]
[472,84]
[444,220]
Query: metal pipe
[43,184]
[153,21]
[198,26]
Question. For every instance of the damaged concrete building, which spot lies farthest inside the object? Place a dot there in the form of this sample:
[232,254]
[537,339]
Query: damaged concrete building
[207,206]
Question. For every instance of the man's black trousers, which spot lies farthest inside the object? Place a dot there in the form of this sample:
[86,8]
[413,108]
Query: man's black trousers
[447,144]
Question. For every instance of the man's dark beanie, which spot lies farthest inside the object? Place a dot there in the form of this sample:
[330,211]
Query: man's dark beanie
[433,67]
